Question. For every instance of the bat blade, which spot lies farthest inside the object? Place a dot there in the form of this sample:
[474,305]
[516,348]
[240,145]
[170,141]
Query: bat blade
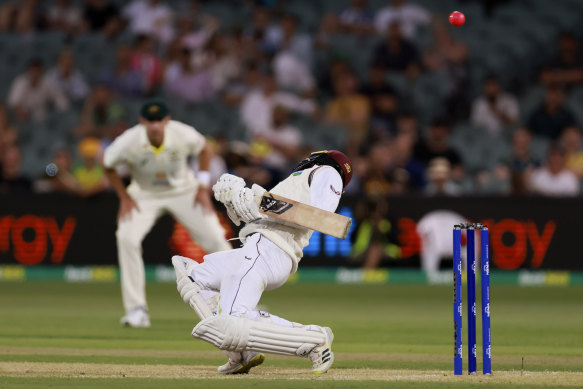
[304,215]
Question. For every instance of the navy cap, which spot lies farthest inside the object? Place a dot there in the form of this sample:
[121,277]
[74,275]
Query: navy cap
[154,110]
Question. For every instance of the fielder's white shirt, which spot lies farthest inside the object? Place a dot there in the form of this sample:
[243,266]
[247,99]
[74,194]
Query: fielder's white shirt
[157,172]
[320,187]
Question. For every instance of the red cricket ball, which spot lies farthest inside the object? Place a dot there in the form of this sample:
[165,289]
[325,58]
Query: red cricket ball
[457,18]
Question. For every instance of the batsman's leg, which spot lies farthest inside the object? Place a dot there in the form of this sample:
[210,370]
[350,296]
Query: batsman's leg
[261,265]
[204,301]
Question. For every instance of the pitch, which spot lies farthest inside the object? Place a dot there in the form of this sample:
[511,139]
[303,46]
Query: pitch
[66,335]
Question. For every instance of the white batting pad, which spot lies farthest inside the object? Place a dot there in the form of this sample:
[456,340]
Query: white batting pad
[189,290]
[233,333]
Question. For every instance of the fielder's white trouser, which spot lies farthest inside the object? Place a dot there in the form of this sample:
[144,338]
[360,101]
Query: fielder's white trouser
[204,228]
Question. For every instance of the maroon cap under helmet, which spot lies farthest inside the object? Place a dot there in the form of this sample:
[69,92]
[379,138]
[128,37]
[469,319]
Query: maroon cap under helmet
[333,158]
[344,163]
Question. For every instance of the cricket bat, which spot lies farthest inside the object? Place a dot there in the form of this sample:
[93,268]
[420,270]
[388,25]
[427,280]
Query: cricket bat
[304,215]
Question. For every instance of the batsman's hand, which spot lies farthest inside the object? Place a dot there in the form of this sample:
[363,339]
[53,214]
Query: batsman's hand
[245,204]
[203,197]
[126,206]
[227,186]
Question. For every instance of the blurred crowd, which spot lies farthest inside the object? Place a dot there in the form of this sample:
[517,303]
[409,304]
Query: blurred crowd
[277,74]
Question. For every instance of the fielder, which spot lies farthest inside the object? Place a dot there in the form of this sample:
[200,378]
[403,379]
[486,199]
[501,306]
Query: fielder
[156,152]
[270,253]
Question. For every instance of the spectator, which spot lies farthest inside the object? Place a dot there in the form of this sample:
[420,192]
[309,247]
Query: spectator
[567,68]
[89,174]
[68,78]
[357,19]
[283,140]
[408,16]
[102,116]
[375,236]
[31,94]
[521,159]
[521,163]
[146,62]
[12,181]
[8,133]
[236,91]
[20,16]
[384,103]
[297,44]
[328,28]
[377,82]
[262,31]
[436,145]
[495,109]
[439,176]
[450,57]
[102,16]
[337,68]
[554,179]
[292,74]
[350,109]
[571,141]
[257,106]
[396,53]
[552,117]
[64,16]
[150,17]
[376,183]
[223,61]
[408,173]
[195,31]
[407,124]
[121,78]
[184,82]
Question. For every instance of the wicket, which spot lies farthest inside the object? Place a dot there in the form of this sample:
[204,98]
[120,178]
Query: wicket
[471,300]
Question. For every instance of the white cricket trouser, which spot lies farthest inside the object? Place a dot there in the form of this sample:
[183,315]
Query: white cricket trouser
[204,228]
[241,275]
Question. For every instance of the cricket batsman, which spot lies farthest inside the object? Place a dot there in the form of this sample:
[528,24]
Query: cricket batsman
[156,151]
[271,252]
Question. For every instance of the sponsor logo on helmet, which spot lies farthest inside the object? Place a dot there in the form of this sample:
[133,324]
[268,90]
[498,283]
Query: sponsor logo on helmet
[347,167]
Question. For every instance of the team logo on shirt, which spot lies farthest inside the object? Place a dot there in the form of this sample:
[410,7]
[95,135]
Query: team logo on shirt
[173,156]
[335,191]
[161,179]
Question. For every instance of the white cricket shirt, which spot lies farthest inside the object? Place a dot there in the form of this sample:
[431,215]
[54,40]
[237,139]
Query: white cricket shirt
[157,172]
[319,186]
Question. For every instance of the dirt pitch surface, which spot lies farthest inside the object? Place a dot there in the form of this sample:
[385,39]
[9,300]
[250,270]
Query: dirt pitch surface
[73,370]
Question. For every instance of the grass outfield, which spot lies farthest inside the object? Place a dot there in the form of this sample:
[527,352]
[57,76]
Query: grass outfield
[67,335]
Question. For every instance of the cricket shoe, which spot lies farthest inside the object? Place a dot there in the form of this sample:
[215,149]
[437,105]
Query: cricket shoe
[136,318]
[247,361]
[322,356]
